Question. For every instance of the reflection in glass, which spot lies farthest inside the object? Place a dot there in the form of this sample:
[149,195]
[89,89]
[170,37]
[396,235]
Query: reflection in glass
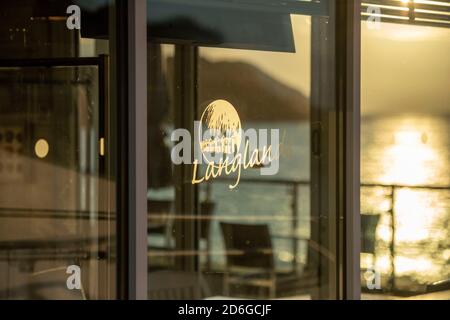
[57,216]
[52,215]
[263,238]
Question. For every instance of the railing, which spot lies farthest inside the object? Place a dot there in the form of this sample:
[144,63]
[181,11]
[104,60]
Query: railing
[293,219]
[419,12]
[392,196]
[292,235]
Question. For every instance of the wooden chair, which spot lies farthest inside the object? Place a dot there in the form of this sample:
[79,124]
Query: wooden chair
[249,255]
[369,224]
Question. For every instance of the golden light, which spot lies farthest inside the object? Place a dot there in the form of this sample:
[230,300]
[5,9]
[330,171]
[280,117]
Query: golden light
[406,265]
[102,146]
[41,148]
[408,160]
[414,217]
[412,156]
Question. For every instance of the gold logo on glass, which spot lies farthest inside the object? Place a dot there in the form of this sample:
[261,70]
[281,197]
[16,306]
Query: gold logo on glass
[220,121]
[221,137]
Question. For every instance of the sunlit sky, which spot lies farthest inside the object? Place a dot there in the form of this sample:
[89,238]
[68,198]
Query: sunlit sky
[292,69]
[404,68]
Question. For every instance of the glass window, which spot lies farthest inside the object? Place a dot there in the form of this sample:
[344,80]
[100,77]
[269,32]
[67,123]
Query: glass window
[405,153]
[57,215]
[240,198]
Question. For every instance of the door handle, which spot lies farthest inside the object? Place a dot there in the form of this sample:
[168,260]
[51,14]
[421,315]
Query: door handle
[315,142]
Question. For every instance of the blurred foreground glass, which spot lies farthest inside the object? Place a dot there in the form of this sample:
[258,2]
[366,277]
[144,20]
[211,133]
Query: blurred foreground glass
[57,213]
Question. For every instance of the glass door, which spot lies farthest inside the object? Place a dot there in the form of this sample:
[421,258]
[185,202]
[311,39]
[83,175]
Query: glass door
[58,150]
[56,223]
[241,150]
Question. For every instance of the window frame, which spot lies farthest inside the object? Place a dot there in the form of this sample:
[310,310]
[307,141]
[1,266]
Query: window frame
[130,85]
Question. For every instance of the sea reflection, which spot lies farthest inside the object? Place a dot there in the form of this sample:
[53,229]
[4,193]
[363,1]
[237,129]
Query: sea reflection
[405,161]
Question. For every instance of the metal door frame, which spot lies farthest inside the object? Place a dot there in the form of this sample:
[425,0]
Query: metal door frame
[131,86]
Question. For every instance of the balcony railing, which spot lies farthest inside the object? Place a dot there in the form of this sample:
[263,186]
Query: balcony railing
[292,220]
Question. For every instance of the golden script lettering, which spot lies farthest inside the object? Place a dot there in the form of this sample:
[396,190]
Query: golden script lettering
[221,117]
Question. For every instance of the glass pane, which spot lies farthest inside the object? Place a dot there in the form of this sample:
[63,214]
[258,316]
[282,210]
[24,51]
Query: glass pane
[405,154]
[57,211]
[240,213]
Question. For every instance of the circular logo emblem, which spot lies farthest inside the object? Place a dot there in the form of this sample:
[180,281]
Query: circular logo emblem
[220,132]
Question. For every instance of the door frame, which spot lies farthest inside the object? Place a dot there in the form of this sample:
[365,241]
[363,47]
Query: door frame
[131,113]
[348,86]
[129,83]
